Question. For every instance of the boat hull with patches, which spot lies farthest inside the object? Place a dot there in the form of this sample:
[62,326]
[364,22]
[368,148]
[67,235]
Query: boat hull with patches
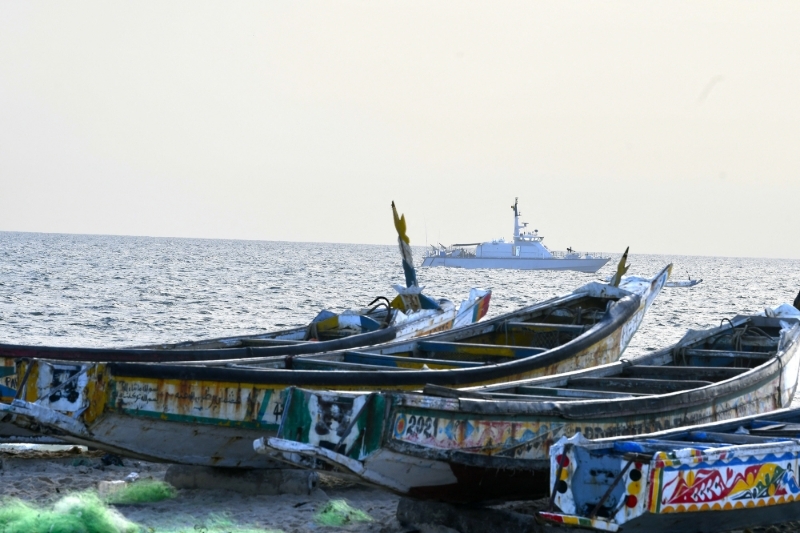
[210,414]
[737,474]
[409,315]
[491,443]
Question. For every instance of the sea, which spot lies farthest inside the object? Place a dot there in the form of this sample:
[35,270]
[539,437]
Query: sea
[100,290]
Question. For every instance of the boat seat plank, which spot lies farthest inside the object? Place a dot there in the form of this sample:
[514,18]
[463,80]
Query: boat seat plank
[786,433]
[647,386]
[544,326]
[711,373]
[769,424]
[394,361]
[696,352]
[769,428]
[269,342]
[555,392]
[481,350]
[447,392]
[760,342]
[302,363]
[729,438]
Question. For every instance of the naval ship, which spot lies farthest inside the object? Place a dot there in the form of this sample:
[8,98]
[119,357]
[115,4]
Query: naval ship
[524,252]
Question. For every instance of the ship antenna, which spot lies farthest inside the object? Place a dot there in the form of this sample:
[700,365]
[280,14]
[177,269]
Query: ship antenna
[516,218]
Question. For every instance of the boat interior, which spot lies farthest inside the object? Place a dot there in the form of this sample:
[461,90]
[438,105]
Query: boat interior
[321,329]
[721,355]
[513,337]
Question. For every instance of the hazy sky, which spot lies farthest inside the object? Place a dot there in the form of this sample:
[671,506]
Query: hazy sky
[670,127]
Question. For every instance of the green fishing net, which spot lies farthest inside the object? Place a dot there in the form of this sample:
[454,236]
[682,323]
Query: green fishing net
[214,523]
[340,513]
[76,513]
[144,491]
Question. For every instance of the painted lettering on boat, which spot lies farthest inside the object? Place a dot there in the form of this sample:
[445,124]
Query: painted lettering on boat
[531,439]
[235,403]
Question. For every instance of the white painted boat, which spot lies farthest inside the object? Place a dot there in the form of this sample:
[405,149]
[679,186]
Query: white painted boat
[524,252]
[683,283]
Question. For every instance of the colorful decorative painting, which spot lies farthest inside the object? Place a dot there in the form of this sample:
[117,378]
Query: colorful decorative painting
[731,480]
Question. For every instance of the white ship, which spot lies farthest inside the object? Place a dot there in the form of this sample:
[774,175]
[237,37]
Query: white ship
[525,252]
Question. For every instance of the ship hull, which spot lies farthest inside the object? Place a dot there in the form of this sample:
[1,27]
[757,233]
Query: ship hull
[581,265]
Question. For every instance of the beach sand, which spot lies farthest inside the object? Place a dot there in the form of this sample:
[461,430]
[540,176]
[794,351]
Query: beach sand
[43,475]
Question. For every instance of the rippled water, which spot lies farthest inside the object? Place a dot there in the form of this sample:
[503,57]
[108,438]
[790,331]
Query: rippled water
[93,290]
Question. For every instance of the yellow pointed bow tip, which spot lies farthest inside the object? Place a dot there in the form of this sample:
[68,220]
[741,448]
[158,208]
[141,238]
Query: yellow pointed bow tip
[400,225]
[622,268]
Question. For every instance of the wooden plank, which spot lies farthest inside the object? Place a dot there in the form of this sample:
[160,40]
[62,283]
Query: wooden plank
[394,361]
[710,373]
[544,326]
[761,356]
[482,350]
[647,386]
[447,392]
[269,342]
[787,433]
[768,428]
[303,363]
[760,342]
[728,438]
[555,392]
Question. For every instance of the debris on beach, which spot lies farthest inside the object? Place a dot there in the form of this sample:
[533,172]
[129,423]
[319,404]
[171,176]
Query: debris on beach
[83,512]
[340,513]
[145,491]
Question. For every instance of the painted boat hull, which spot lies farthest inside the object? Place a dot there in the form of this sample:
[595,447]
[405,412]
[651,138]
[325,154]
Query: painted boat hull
[418,325]
[476,449]
[682,485]
[422,323]
[119,405]
[588,266]
[683,283]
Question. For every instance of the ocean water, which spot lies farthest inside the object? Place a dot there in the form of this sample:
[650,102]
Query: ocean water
[90,290]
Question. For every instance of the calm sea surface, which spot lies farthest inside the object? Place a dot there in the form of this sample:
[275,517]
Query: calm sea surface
[87,290]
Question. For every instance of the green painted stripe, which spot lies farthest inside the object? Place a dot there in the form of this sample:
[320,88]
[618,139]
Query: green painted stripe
[168,417]
[7,371]
[264,403]
[660,484]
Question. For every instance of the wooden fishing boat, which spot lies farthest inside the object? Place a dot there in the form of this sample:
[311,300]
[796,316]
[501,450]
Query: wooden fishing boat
[210,415]
[411,314]
[684,283]
[701,479]
[491,443]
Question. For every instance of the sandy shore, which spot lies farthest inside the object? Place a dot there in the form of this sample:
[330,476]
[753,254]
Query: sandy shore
[43,476]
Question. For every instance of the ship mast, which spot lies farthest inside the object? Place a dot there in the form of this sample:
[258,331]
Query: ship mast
[516,219]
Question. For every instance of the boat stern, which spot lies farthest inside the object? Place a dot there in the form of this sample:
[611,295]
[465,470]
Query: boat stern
[599,487]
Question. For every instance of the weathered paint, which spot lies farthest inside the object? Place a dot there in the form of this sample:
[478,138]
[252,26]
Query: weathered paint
[8,379]
[510,438]
[663,489]
[138,411]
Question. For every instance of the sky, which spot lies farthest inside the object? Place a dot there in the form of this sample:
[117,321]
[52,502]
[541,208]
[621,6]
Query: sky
[670,127]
